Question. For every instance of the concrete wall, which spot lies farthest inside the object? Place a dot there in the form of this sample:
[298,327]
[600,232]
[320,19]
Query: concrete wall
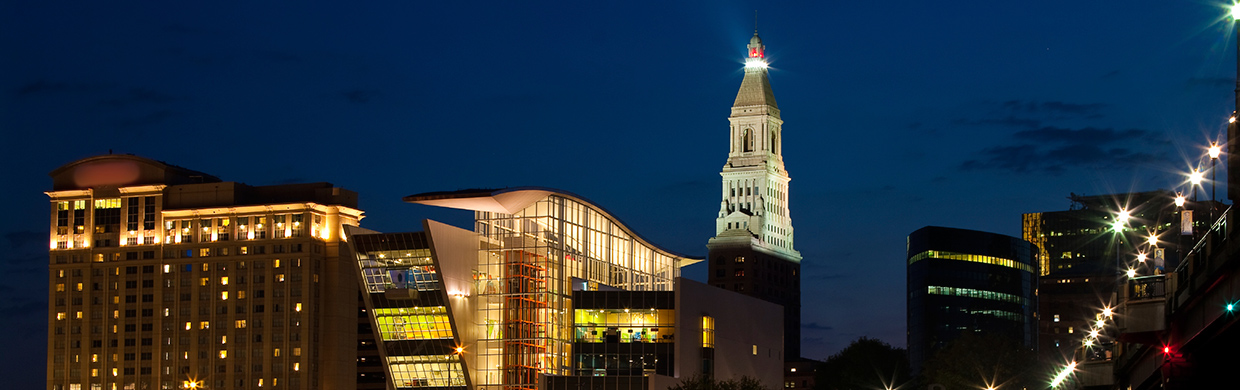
[743,324]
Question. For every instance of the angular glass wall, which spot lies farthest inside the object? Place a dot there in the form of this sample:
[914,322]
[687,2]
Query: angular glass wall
[524,283]
[408,307]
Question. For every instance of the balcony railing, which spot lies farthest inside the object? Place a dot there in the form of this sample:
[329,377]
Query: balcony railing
[1144,308]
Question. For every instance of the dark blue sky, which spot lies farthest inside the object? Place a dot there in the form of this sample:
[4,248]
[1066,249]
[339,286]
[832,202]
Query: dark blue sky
[898,114]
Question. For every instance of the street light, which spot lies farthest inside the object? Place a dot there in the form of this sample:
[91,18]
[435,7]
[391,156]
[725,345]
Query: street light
[1179,200]
[1063,374]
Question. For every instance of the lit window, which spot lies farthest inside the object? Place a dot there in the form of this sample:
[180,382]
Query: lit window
[297,351]
[60,287]
[187,325]
[224,281]
[279,277]
[277,263]
[167,268]
[1069,329]
[204,281]
[241,294]
[708,332]
[79,315]
[204,325]
[240,324]
[224,295]
[755,349]
[296,366]
[79,286]
[1056,318]
[296,308]
[223,339]
[276,352]
[223,353]
[60,315]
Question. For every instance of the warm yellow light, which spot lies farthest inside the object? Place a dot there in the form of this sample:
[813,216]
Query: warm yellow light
[1179,200]
[1152,240]
[1100,323]
[1235,11]
[460,350]
[1196,176]
[1124,215]
[1106,311]
[1215,150]
[755,63]
[1141,257]
[1132,273]
[1093,333]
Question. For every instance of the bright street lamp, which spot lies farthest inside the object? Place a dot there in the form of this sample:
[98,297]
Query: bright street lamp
[1141,257]
[1179,200]
[1063,374]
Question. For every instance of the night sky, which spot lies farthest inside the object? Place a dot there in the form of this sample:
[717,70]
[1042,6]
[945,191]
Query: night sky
[898,114]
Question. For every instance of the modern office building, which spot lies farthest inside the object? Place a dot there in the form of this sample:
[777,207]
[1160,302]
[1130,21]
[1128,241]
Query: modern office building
[550,291]
[752,252]
[1085,253]
[966,281]
[163,278]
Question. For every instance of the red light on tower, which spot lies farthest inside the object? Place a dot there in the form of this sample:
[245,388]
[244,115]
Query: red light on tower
[1166,350]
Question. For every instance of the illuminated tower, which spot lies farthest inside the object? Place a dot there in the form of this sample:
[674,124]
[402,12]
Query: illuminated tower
[752,251]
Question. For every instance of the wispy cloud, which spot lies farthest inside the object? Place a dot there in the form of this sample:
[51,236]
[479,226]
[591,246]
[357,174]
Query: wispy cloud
[816,326]
[1055,150]
[140,96]
[359,95]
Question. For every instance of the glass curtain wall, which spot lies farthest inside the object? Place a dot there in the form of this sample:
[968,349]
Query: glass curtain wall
[524,290]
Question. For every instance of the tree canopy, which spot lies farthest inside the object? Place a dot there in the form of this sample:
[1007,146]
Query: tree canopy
[702,382]
[865,364]
[975,361]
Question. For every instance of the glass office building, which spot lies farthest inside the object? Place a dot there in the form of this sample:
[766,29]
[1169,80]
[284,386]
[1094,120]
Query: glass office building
[962,281]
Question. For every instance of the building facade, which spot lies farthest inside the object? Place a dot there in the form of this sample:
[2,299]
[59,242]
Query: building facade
[163,278]
[549,291]
[1086,251]
[752,251]
[966,281]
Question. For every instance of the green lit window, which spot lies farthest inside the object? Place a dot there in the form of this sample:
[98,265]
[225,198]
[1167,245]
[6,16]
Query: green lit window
[426,371]
[414,323]
[975,293]
[624,325]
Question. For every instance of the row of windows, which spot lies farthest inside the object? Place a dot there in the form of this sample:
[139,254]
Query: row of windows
[975,293]
[992,260]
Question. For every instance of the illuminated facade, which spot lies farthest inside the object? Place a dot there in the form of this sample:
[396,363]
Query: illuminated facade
[968,281]
[752,252]
[162,277]
[548,290]
[1082,257]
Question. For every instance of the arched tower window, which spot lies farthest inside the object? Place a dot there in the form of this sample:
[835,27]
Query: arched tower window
[774,142]
[747,141]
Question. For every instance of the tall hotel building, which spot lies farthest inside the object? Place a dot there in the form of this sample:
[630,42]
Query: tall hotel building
[165,278]
[752,251]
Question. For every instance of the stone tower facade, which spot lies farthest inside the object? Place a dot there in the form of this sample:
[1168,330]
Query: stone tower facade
[752,251]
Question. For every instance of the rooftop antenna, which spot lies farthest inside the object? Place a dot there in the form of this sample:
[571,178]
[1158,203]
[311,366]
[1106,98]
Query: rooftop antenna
[755,21]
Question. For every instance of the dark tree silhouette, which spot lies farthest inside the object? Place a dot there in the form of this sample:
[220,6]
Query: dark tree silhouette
[701,382]
[975,361]
[865,364]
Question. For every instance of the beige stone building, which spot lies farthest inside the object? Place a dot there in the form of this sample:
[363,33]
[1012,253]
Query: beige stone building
[164,278]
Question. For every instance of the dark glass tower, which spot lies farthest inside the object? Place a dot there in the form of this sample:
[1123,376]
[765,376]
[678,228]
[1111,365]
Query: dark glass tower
[965,281]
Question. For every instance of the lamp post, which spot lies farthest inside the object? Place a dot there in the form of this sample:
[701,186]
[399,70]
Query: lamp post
[1214,151]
